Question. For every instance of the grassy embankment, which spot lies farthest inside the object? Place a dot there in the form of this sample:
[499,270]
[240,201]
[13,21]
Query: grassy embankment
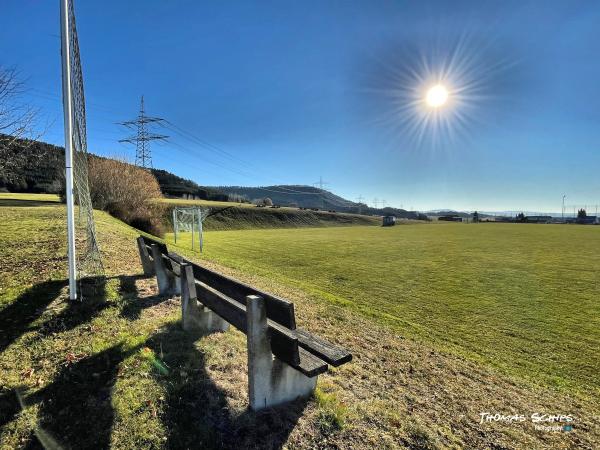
[242,216]
[445,322]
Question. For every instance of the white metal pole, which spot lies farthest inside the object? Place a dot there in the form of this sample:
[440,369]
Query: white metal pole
[200,237]
[66,88]
[193,220]
[175,223]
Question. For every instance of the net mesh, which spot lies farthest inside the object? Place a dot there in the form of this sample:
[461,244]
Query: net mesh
[89,261]
[190,219]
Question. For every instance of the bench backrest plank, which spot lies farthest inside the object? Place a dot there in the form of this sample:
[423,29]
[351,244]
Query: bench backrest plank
[278,309]
[161,246]
[284,343]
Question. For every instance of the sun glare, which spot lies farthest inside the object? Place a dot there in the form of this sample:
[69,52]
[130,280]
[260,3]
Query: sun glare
[435,91]
[437,96]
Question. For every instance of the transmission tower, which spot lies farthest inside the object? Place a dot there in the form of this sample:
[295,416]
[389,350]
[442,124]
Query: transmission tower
[376,202]
[143,155]
[360,199]
[321,183]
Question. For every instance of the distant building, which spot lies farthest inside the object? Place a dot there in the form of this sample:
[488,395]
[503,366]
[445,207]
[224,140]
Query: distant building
[588,220]
[450,218]
[389,221]
[538,219]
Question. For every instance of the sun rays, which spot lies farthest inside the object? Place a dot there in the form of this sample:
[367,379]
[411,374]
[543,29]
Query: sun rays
[435,94]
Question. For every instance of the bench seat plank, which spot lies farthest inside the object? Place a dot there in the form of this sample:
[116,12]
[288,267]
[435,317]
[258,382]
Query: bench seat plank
[328,352]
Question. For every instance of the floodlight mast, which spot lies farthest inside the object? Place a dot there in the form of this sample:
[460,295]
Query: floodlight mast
[68,125]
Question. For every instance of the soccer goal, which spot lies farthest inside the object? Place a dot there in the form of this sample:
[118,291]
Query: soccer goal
[85,262]
[189,220]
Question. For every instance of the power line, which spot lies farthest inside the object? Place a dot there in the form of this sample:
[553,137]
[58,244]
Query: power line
[206,145]
[143,154]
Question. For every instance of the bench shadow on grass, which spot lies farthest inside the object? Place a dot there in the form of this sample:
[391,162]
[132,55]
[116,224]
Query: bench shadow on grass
[196,412]
[197,415]
[76,408]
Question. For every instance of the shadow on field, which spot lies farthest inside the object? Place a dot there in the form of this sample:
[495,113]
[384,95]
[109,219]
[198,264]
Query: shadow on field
[9,405]
[197,414]
[12,203]
[78,312]
[76,409]
[16,318]
[133,304]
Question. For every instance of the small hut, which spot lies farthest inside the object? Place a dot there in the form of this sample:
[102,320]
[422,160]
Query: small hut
[389,221]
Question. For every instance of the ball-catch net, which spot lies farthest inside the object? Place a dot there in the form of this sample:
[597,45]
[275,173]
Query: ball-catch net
[89,261]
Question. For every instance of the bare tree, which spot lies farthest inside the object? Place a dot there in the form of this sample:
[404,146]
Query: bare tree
[16,123]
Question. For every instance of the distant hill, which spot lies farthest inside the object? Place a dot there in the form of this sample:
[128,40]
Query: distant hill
[44,172]
[290,195]
[451,212]
[311,197]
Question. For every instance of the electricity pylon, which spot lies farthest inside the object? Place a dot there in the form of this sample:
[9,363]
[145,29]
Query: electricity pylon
[321,183]
[360,199]
[143,155]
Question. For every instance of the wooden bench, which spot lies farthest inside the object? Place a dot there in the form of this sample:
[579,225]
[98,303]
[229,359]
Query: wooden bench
[283,360]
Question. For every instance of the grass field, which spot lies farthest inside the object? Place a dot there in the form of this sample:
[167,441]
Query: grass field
[444,321]
[522,298]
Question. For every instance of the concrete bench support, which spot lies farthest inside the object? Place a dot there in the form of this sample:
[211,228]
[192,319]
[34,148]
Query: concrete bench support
[270,381]
[195,316]
[164,278]
[147,264]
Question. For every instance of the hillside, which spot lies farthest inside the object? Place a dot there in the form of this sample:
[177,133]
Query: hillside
[175,186]
[311,197]
[43,173]
[44,169]
[291,195]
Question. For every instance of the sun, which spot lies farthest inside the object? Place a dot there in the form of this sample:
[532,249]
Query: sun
[437,96]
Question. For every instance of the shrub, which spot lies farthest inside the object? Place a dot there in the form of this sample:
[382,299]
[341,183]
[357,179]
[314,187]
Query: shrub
[126,192]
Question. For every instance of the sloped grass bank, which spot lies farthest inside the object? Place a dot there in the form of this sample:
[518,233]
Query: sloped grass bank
[233,216]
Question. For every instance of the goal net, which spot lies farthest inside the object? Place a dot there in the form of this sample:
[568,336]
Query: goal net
[89,265]
[189,220]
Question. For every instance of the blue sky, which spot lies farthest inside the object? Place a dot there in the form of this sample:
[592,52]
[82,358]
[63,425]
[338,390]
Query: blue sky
[296,90]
